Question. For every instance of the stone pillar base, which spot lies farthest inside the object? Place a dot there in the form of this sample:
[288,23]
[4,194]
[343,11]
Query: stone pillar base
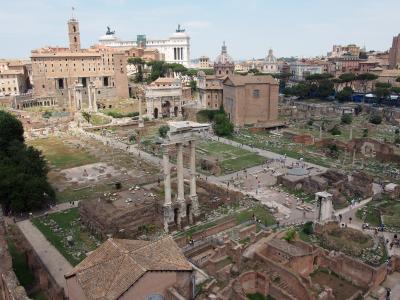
[195,205]
[168,216]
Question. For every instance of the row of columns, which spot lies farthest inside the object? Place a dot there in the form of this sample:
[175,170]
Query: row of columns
[169,208]
[76,102]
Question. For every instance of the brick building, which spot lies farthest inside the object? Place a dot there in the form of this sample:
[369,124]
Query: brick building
[251,100]
[56,71]
[133,269]
[14,77]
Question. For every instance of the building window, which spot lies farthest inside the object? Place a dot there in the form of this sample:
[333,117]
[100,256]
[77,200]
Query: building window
[256,93]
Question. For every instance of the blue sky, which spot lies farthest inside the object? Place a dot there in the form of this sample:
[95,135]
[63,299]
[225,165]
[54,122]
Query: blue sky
[249,27]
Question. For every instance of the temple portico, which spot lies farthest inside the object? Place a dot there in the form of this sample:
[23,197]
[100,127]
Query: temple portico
[181,133]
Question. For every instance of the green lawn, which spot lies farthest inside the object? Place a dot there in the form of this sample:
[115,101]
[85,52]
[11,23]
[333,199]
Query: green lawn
[60,155]
[56,227]
[99,120]
[258,296]
[231,159]
[261,213]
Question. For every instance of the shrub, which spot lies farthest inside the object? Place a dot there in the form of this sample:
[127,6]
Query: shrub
[365,132]
[375,119]
[163,130]
[335,130]
[310,122]
[308,228]
[290,235]
[347,118]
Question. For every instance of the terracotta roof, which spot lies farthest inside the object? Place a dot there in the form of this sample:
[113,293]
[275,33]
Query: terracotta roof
[117,264]
[249,79]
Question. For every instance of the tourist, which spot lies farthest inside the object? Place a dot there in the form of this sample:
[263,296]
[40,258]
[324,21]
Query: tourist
[340,217]
[350,218]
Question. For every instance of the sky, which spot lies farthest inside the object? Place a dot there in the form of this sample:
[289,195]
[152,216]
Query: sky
[300,28]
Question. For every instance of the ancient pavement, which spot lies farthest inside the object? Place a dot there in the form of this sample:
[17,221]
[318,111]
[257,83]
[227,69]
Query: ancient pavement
[51,258]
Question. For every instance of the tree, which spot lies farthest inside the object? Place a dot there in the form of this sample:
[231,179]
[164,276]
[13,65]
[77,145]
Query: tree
[177,68]
[365,132]
[163,130]
[138,63]
[364,78]
[290,235]
[358,109]
[10,129]
[382,90]
[347,118]
[86,116]
[347,78]
[222,124]
[325,88]
[158,69]
[27,189]
[395,89]
[345,94]
[335,130]
[375,119]
[193,85]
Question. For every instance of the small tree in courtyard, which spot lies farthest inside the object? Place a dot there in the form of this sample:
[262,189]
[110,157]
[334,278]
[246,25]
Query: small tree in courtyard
[163,130]
[347,119]
[375,119]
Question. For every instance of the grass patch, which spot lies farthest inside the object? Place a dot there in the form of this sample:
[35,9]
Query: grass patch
[60,155]
[258,296]
[230,159]
[261,213]
[98,120]
[56,227]
[25,276]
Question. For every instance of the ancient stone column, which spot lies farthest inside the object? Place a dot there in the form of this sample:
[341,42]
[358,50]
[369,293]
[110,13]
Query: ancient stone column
[167,189]
[94,99]
[179,165]
[181,189]
[141,124]
[89,88]
[193,193]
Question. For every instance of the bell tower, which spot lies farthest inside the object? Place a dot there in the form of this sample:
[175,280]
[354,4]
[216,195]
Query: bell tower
[73,34]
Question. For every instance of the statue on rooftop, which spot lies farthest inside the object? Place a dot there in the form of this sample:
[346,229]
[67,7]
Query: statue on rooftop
[180,29]
[109,32]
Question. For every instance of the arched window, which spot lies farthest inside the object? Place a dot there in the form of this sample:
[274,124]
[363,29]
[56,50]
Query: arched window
[74,28]
[75,40]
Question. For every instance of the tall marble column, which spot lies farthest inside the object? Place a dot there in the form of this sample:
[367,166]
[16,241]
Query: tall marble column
[193,192]
[168,215]
[141,124]
[89,88]
[179,164]
[181,188]
[94,99]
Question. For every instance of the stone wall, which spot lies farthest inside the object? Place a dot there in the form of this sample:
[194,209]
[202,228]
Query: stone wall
[45,282]
[183,241]
[294,284]
[103,218]
[353,270]
[10,288]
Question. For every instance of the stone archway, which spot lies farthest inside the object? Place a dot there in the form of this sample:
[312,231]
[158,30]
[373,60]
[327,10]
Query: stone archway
[165,109]
[155,113]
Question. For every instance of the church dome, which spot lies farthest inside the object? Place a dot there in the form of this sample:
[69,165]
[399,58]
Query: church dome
[270,57]
[224,57]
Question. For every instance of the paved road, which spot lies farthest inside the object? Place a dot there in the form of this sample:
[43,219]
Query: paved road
[55,263]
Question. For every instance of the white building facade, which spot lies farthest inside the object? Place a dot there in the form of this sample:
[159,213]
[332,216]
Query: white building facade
[301,70]
[175,49]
